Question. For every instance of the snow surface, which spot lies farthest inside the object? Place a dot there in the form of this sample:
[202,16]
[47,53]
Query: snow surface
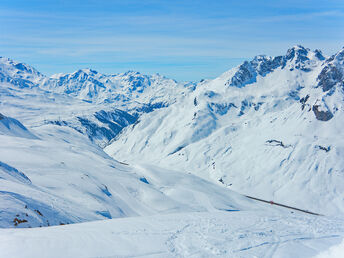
[177,158]
[336,251]
[209,234]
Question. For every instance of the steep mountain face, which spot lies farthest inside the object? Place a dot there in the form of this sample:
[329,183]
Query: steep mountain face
[332,73]
[270,127]
[297,57]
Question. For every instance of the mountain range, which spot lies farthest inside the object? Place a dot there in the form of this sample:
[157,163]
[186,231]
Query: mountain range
[85,146]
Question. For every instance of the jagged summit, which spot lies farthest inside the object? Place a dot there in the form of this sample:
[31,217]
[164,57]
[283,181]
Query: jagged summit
[297,57]
[332,73]
[297,51]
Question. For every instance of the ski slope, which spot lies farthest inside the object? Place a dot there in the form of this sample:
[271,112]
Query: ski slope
[201,234]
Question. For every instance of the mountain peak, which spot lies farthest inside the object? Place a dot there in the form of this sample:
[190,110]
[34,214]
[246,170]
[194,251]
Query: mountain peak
[18,67]
[87,71]
[131,73]
[299,52]
[340,55]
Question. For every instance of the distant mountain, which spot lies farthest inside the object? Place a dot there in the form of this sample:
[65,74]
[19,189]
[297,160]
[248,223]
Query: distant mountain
[115,101]
[18,74]
[122,88]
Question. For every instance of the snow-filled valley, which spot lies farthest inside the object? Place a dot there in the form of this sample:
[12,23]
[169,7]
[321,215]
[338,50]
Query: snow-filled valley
[148,166]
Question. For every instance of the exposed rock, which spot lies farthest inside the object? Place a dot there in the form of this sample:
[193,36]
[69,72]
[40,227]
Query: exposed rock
[277,143]
[303,101]
[322,115]
[327,149]
[329,77]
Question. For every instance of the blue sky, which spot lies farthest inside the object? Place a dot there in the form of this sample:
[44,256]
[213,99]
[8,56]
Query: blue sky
[185,40]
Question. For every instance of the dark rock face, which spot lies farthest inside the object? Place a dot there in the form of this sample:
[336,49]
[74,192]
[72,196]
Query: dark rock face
[299,53]
[329,77]
[263,65]
[303,101]
[322,115]
[102,127]
[1,116]
[150,107]
[319,54]
[113,123]
[245,75]
[248,71]
[221,108]
[277,143]
[326,149]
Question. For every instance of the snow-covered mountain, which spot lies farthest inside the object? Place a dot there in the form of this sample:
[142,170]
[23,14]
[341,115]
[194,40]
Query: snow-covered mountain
[18,74]
[126,90]
[111,101]
[270,127]
[174,159]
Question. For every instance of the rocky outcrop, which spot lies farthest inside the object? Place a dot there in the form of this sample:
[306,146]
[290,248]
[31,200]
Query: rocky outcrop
[322,115]
[329,77]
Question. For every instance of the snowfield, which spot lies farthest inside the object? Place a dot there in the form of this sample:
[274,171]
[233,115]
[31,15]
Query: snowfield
[133,165]
[203,234]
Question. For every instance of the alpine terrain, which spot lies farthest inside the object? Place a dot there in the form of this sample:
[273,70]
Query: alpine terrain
[129,165]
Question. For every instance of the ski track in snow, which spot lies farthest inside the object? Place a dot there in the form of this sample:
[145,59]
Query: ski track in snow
[212,234]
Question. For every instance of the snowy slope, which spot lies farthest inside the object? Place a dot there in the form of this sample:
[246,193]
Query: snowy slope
[62,178]
[271,128]
[216,234]
[10,126]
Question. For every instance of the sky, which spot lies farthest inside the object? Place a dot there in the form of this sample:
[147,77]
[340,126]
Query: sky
[186,40]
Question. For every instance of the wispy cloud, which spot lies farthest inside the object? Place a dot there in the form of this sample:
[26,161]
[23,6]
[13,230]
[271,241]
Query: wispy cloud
[158,33]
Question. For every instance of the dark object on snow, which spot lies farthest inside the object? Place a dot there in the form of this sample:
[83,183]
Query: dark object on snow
[324,148]
[277,143]
[144,180]
[17,221]
[322,115]
[38,212]
[303,101]
[282,205]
